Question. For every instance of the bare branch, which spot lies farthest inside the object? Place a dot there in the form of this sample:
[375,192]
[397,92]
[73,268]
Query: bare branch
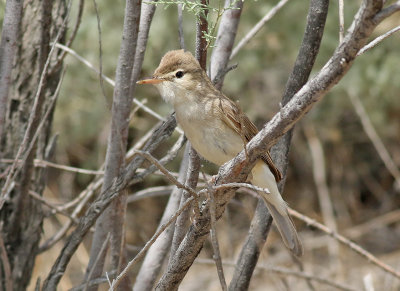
[341,21]
[191,179]
[112,220]
[8,46]
[377,40]
[238,168]
[32,130]
[374,137]
[224,43]
[201,42]
[257,27]
[100,51]
[287,272]
[370,257]
[149,243]
[324,199]
[180,27]
[150,269]
[388,11]
[262,220]
[101,202]
[6,267]
[112,83]
[214,240]
[102,253]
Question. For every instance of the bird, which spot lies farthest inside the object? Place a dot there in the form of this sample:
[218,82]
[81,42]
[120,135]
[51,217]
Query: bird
[218,130]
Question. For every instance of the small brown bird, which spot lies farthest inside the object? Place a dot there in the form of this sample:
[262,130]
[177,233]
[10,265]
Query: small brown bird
[218,130]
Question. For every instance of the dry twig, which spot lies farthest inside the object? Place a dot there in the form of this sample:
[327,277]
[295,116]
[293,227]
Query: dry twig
[257,27]
[370,257]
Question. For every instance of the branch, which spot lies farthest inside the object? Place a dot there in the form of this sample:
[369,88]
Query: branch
[180,27]
[8,48]
[374,137]
[238,168]
[102,201]
[191,178]
[324,198]
[112,220]
[370,257]
[224,43]
[262,220]
[377,40]
[288,272]
[150,269]
[201,42]
[257,27]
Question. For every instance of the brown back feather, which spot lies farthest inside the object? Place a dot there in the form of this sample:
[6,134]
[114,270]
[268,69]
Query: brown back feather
[239,122]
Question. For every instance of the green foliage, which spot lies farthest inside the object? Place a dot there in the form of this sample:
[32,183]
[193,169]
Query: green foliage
[199,10]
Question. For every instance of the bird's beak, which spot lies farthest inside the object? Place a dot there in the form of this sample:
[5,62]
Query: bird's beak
[153,81]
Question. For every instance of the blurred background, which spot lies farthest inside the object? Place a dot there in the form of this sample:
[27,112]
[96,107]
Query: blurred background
[331,154]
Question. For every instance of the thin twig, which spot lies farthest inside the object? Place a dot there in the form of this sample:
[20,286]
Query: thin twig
[100,203]
[27,145]
[370,257]
[224,42]
[214,239]
[5,264]
[257,27]
[81,201]
[341,21]
[157,253]
[368,226]
[45,164]
[319,173]
[286,272]
[54,208]
[150,192]
[100,254]
[112,83]
[117,280]
[100,51]
[374,137]
[377,40]
[73,34]
[167,174]
[180,27]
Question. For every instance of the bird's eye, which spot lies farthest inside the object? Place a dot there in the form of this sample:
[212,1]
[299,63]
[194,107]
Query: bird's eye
[179,74]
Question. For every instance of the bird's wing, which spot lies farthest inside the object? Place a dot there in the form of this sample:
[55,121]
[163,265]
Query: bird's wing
[233,116]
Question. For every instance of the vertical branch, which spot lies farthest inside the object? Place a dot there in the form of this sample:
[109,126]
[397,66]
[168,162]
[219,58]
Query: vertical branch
[341,20]
[201,42]
[8,47]
[181,223]
[214,241]
[180,27]
[146,17]
[155,257]
[374,137]
[112,219]
[319,172]
[102,202]
[224,43]
[280,152]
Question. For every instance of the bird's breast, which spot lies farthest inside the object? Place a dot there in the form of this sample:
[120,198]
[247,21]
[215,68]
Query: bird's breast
[208,134]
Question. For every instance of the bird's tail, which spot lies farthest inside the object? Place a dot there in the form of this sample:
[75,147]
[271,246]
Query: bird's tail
[262,177]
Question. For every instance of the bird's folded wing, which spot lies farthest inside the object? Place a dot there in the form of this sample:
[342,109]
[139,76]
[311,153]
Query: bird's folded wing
[239,122]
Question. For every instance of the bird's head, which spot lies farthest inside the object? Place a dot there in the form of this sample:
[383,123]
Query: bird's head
[178,77]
